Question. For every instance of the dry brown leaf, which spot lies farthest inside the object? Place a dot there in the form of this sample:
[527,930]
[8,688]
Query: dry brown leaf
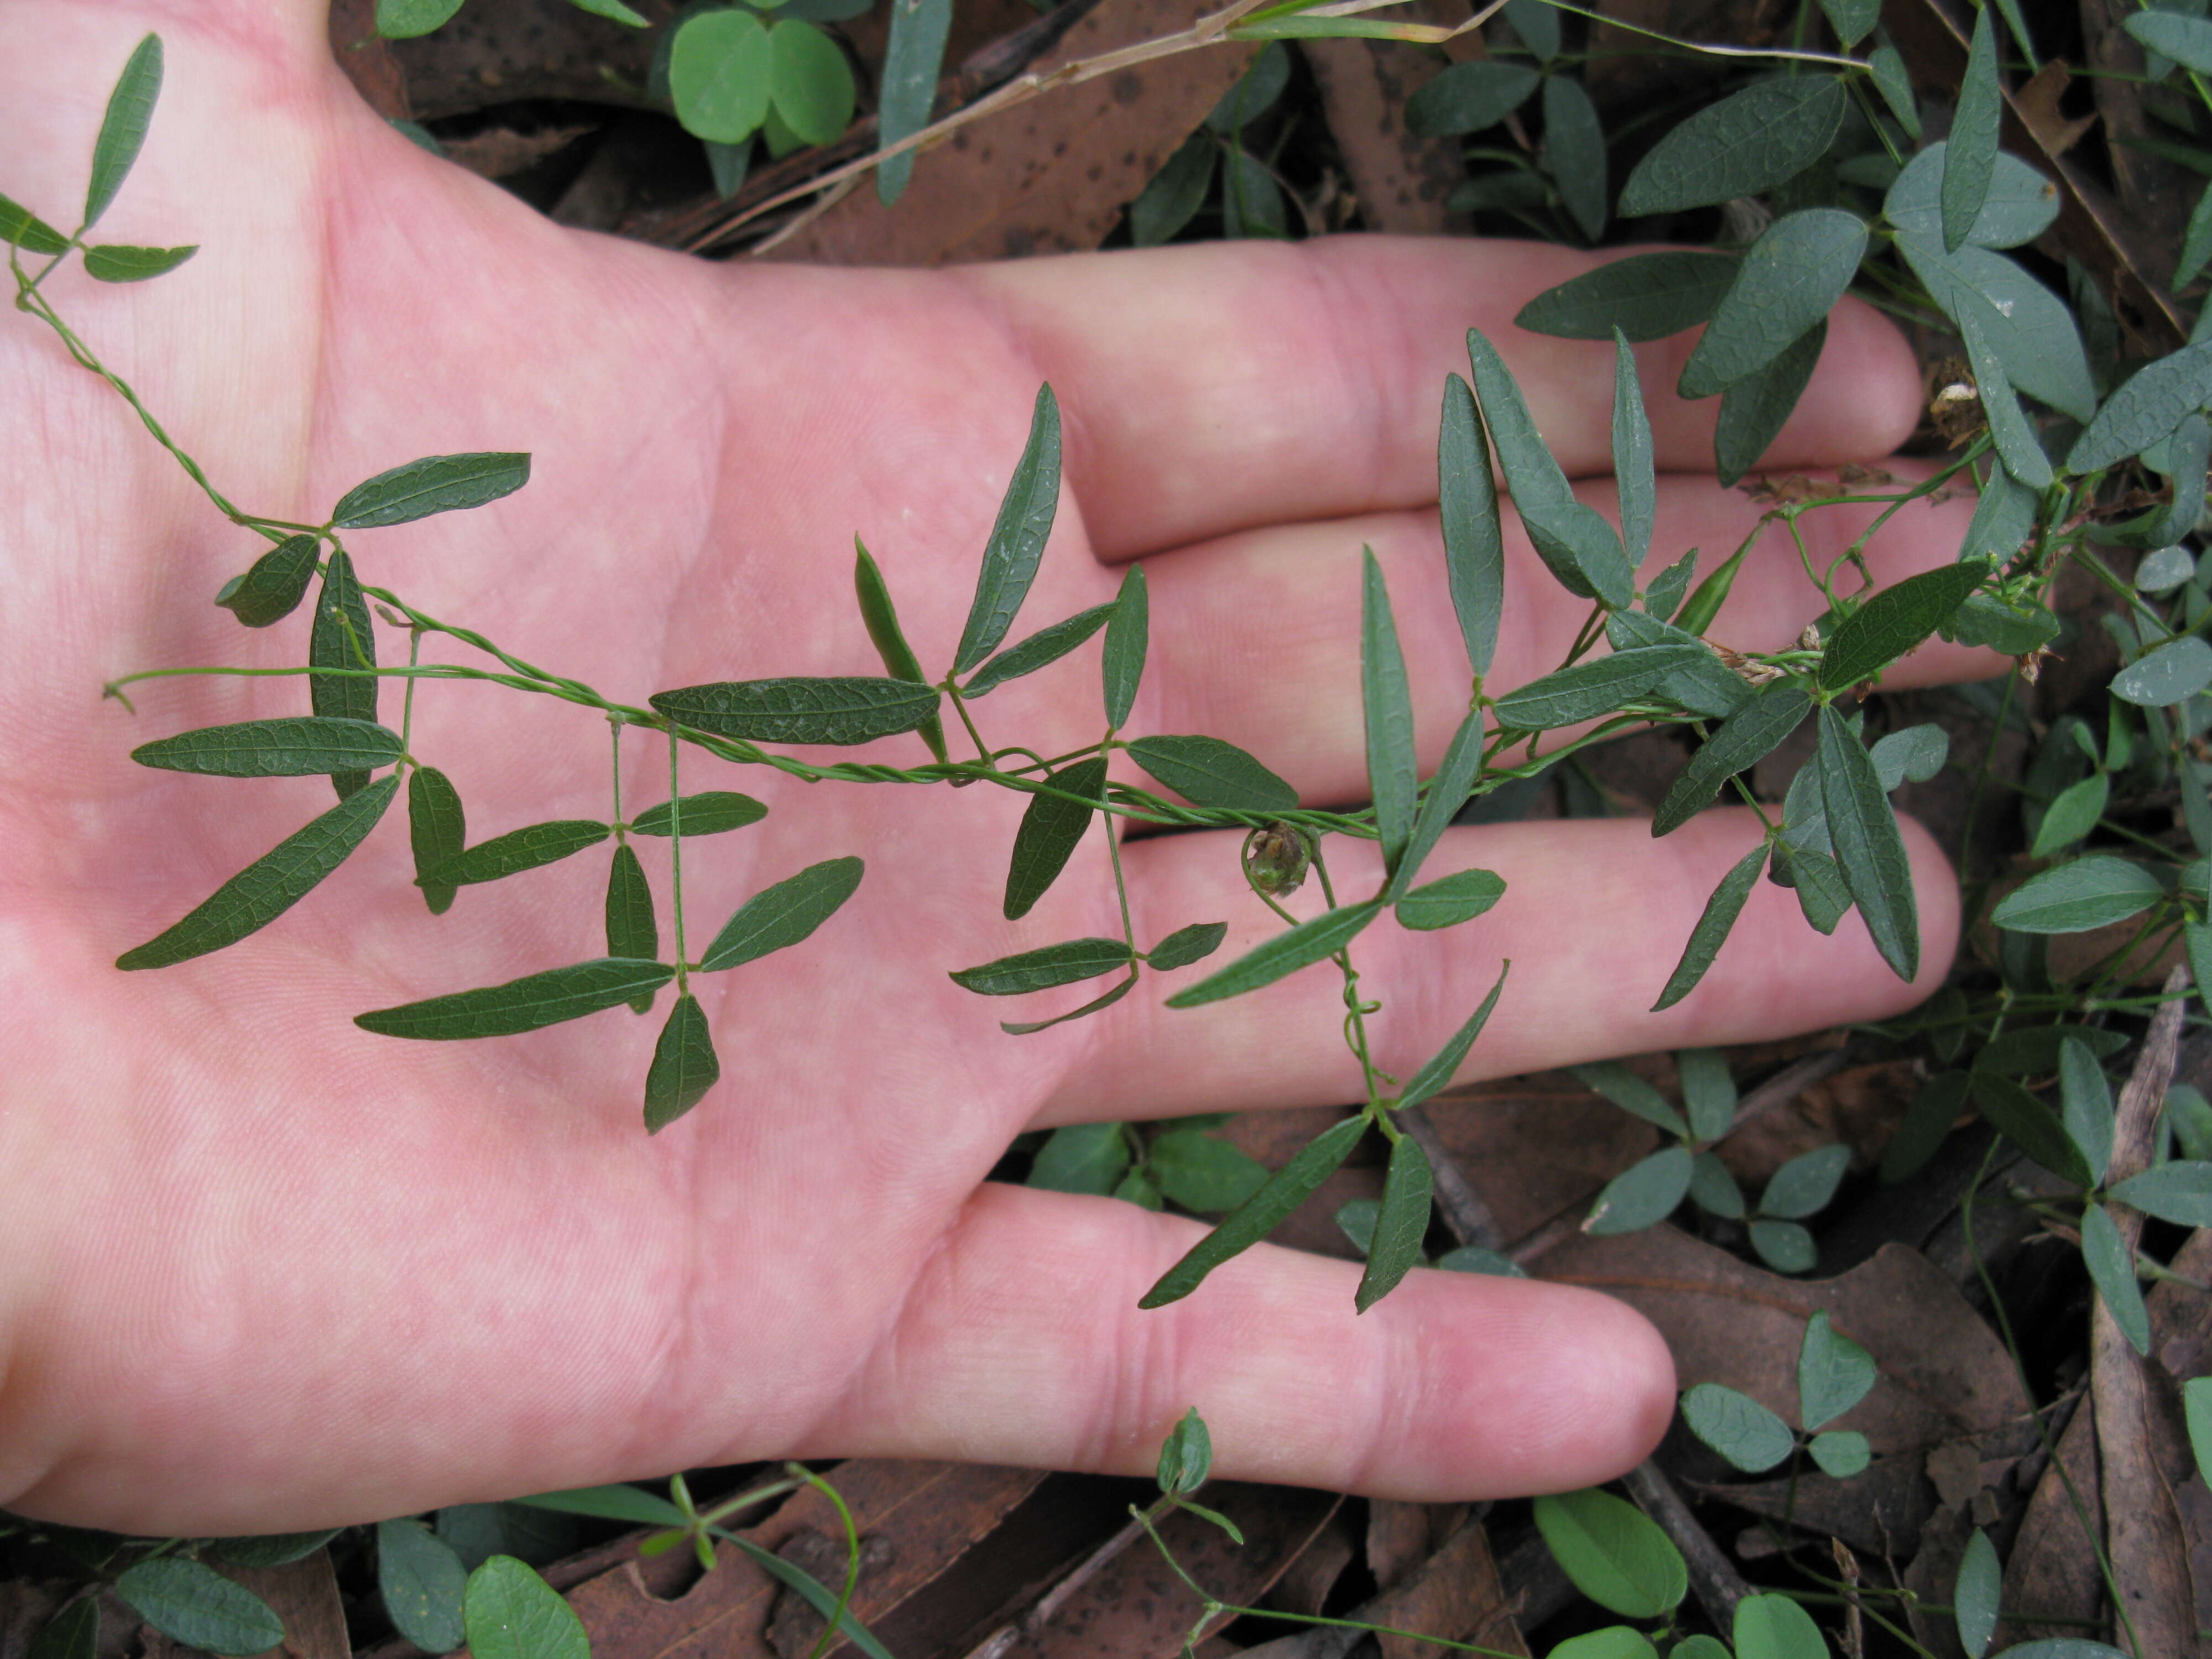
[1537,1147]
[1401,180]
[1305,1585]
[304,1595]
[367,58]
[1942,1371]
[1457,1594]
[2037,104]
[1048,176]
[535,49]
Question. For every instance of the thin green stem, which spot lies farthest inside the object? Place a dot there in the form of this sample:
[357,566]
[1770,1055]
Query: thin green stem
[676,866]
[407,703]
[614,729]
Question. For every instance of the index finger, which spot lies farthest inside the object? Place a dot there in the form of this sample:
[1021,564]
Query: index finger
[1227,386]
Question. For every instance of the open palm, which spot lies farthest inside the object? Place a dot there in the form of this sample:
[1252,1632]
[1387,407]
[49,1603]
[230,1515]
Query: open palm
[264,1270]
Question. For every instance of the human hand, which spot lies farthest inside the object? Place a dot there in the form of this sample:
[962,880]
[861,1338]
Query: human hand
[266,1271]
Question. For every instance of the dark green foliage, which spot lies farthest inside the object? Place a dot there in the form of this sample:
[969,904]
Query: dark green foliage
[122,128]
[1388,704]
[1128,635]
[527,1004]
[2029,1124]
[1614,1554]
[286,748]
[2112,1268]
[1188,944]
[1752,1438]
[1446,794]
[1475,540]
[1052,827]
[1438,1071]
[782,915]
[527,848]
[271,885]
[1789,281]
[1869,847]
[1448,902]
[437,484]
[911,63]
[1285,953]
[197,1605]
[877,613]
[1174,193]
[113,263]
[25,230]
[1255,1218]
[1645,296]
[2152,403]
[422,1583]
[1017,539]
[1043,968]
[1469,97]
[1574,145]
[437,830]
[1892,622]
[1969,157]
[1642,1194]
[343,637]
[1401,1225]
[684,1066]
[839,710]
[1743,740]
[632,930]
[274,584]
[1745,144]
[1207,772]
[1713,928]
[1186,1455]
[1589,690]
[2075,898]
[709,813]
[1047,645]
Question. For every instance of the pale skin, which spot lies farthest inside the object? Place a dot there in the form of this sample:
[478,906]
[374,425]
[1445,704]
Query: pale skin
[265,1271]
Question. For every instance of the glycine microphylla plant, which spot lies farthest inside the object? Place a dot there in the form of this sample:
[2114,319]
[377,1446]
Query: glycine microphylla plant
[1835,840]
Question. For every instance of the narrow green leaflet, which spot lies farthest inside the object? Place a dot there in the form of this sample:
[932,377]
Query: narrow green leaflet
[1255,1218]
[1017,539]
[1803,1186]
[1852,19]
[2029,1124]
[422,1582]
[1776,1627]
[437,830]
[1895,85]
[1971,156]
[1201,1173]
[285,748]
[2173,673]
[2020,206]
[1750,1437]
[1927,1121]
[1174,193]
[2085,1102]
[801,1583]
[1041,969]
[1755,408]
[72,1634]
[194,1604]
[1051,828]
[403,19]
[23,227]
[1894,621]
[2039,1050]
[911,61]
[1437,1073]
[1592,689]
[111,263]
[1663,597]
[1188,944]
[2030,328]
[1448,902]
[2185,38]
[526,848]
[1285,953]
[1869,847]
[272,588]
[1028,1027]
[2179,1192]
[122,131]
[1447,793]
[1841,1452]
[1388,704]
[1974,1600]
[613,10]
[1712,929]
[1475,540]
[271,885]
[1752,411]
[2074,897]
[684,1065]
[1821,892]
[1742,741]
[1408,1186]
[1128,635]
[1081,1158]
[1646,296]
[709,813]
[783,915]
[1713,1189]
[1575,544]
[2112,1270]
[512,1613]
[2017,444]
[2148,406]
[1207,772]
[1633,468]
[1614,1553]
[437,484]
[881,616]
[2197,1410]
[1791,280]
[1047,645]
[615,1503]
[632,930]
[1642,1195]
[2196,937]
[1784,1246]
[2188,448]
[1708,1091]
[527,1004]
[1833,1374]
[343,637]
[1574,147]
[841,710]
[1469,97]
[2195,242]
[1745,144]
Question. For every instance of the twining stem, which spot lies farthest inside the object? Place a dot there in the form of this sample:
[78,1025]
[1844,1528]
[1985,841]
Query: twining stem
[675,865]
[1355,1021]
[614,727]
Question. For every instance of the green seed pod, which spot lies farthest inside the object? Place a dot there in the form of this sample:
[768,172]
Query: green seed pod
[1276,859]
